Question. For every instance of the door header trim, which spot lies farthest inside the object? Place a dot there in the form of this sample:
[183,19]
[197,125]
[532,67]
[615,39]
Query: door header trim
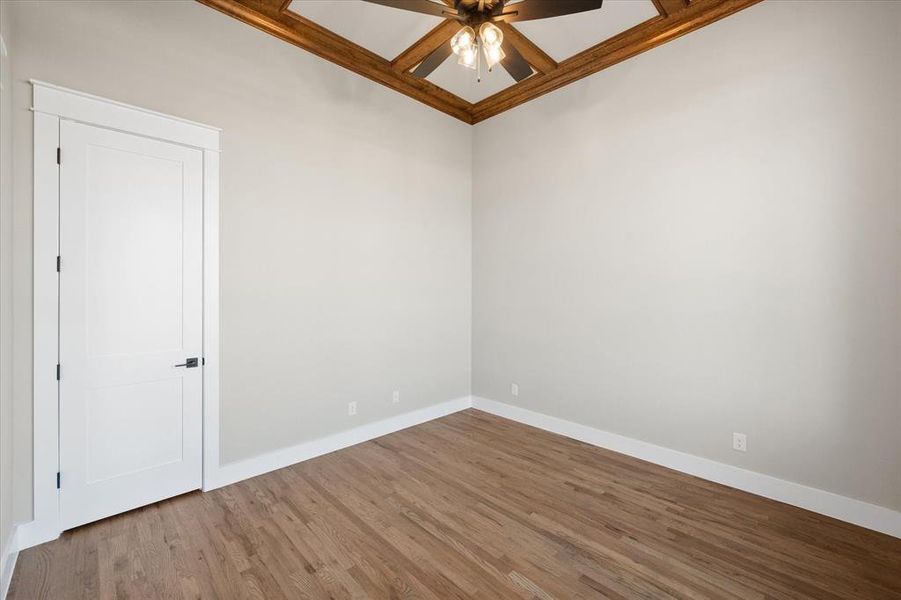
[80,106]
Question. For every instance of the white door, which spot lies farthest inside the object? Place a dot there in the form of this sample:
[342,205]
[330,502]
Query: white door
[131,309]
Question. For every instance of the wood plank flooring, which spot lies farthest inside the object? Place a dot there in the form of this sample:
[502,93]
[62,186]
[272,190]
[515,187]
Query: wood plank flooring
[467,506]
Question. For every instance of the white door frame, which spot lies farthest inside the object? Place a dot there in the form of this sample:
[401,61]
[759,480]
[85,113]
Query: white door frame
[50,104]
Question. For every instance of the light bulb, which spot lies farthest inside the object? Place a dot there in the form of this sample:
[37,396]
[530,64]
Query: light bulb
[468,57]
[493,55]
[463,39]
[491,35]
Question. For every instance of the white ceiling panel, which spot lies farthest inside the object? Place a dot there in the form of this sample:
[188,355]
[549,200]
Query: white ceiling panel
[562,37]
[381,29]
[463,82]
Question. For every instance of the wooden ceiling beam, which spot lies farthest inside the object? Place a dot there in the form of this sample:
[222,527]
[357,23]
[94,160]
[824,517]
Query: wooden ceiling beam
[668,8]
[272,17]
[643,37]
[430,42]
[677,17]
[534,55]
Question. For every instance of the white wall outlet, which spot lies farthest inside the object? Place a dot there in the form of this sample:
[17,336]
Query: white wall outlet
[514,389]
[740,442]
[351,408]
[396,398]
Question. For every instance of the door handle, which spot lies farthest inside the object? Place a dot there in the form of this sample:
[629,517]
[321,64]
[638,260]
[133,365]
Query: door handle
[189,363]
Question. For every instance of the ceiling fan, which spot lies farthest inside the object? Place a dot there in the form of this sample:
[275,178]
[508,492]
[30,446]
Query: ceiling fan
[479,32]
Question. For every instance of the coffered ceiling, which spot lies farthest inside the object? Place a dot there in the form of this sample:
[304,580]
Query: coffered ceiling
[386,44]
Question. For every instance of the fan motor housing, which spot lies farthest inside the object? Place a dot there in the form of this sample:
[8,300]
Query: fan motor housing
[472,16]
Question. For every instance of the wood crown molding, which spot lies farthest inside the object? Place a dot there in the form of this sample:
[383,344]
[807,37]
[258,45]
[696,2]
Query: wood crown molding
[675,19]
[650,34]
[273,17]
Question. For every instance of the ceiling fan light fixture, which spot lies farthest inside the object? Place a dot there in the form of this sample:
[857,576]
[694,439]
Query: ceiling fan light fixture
[491,35]
[463,40]
[468,57]
[493,55]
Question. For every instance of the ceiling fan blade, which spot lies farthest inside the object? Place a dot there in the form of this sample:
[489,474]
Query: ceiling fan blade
[515,64]
[433,61]
[529,10]
[438,9]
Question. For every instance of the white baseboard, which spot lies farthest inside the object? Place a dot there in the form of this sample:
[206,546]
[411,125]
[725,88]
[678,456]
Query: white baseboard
[861,513]
[251,467]
[833,505]
[10,552]
[33,533]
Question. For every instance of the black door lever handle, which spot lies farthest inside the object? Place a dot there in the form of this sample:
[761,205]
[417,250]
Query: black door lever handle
[189,363]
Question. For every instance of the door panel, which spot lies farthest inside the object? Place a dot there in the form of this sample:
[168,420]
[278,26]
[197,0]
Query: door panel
[131,309]
[122,316]
[143,422]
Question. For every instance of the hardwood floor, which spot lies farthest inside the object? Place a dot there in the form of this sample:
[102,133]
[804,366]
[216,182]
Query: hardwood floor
[468,506]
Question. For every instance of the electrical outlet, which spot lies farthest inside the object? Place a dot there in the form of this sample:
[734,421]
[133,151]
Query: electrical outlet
[396,398]
[514,389]
[740,442]
[351,408]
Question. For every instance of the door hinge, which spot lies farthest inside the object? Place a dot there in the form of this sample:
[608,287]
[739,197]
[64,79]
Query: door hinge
[57,372]
[57,480]
[58,263]
[59,153]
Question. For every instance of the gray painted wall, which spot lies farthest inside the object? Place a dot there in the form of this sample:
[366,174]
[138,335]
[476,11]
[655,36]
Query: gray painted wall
[702,240]
[705,240]
[345,256]
[6,189]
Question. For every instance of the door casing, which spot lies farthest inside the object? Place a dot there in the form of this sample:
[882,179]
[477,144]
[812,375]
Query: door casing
[50,105]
